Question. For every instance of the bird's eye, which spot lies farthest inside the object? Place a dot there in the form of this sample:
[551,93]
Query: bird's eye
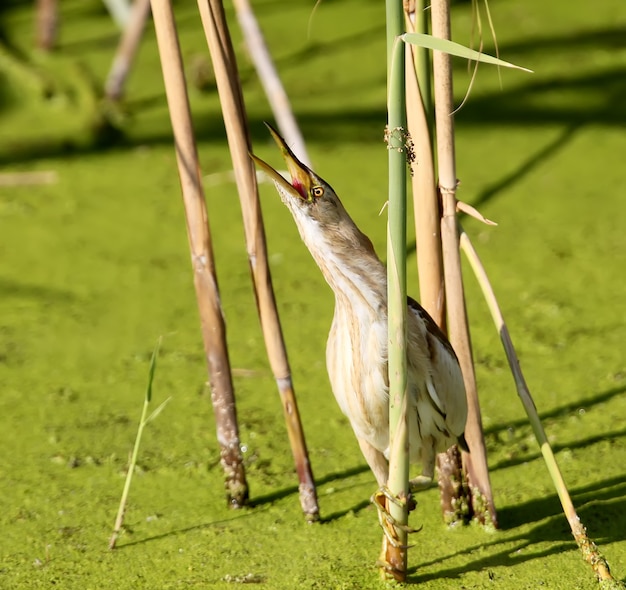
[317,191]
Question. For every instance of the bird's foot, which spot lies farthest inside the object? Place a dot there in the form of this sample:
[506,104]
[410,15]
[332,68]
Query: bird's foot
[387,522]
[388,570]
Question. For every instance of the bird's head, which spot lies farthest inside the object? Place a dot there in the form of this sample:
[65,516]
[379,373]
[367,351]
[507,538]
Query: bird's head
[308,197]
[324,224]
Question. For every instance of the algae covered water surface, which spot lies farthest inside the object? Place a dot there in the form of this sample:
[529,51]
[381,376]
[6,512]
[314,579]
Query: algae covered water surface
[94,267]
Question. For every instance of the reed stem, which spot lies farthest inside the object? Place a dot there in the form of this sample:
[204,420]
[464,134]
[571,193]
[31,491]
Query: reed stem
[235,121]
[588,548]
[274,89]
[127,50]
[475,462]
[395,558]
[205,280]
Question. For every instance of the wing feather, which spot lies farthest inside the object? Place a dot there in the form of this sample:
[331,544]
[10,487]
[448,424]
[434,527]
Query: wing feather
[445,383]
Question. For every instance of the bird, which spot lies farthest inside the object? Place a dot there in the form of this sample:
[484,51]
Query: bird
[357,346]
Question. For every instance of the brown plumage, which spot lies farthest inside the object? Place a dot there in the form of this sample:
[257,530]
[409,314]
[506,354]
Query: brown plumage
[356,353]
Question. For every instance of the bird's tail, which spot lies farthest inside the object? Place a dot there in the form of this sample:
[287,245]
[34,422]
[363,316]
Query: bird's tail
[462,443]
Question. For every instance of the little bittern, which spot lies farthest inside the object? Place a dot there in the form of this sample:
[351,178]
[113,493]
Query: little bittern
[356,353]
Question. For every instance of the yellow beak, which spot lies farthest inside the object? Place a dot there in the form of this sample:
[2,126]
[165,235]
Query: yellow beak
[300,175]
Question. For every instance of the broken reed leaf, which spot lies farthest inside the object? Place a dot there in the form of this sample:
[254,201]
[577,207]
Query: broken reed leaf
[157,411]
[473,212]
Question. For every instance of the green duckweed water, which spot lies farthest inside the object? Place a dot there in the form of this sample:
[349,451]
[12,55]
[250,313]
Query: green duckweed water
[95,267]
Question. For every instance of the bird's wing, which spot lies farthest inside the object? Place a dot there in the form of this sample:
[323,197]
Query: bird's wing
[445,383]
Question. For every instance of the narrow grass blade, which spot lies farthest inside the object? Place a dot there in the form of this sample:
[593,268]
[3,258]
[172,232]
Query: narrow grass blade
[152,369]
[119,520]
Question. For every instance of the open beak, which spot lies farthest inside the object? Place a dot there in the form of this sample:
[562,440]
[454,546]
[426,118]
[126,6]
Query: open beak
[300,176]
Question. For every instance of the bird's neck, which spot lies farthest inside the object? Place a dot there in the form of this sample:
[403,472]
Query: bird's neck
[347,259]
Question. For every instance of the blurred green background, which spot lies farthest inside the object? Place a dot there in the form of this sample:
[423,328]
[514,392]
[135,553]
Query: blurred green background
[94,267]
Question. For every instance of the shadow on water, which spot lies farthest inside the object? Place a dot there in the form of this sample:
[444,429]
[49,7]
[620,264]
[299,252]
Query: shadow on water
[525,167]
[263,502]
[280,494]
[561,412]
[242,513]
[362,505]
[570,100]
[602,504]
[36,292]
[609,492]
[580,444]
[566,409]
[521,552]
[540,157]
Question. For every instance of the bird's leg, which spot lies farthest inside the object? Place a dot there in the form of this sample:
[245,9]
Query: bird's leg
[379,466]
[425,480]
[376,460]
[419,483]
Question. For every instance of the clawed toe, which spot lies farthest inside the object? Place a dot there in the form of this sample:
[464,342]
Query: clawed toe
[389,570]
[387,522]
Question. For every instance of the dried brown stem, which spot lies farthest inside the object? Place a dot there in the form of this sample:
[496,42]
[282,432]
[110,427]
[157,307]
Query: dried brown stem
[475,462]
[205,280]
[47,24]
[233,109]
[453,491]
[28,178]
[266,71]
[426,201]
[454,501]
[127,50]
[473,212]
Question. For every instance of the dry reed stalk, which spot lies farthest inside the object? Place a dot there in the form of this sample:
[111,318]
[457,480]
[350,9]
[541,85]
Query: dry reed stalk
[475,462]
[417,13]
[428,245]
[426,201]
[28,178]
[205,280]
[588,548]
[127,50]
[235,120]
[266,71]
[47,24]
[120,11]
